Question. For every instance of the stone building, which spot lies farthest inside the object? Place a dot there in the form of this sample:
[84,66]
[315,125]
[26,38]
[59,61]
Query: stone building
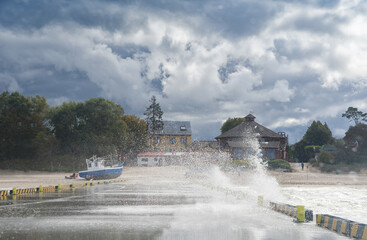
[174,137]
[273,145]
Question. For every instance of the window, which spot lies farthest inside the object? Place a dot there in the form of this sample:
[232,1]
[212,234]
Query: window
[271,154]
[155,159]
[183,140]
[157,140]
[144,159]
[237,153]
[172,140]
[183,128]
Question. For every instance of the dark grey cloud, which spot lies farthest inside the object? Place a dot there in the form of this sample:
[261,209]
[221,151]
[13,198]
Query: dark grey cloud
[37,14]
[241,19]
[290,62]
[318,3]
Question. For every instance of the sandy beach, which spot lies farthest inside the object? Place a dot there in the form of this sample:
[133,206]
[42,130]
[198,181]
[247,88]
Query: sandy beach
[19,179]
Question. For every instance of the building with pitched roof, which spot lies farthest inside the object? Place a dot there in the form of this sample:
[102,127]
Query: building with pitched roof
[273,145]
[174,137]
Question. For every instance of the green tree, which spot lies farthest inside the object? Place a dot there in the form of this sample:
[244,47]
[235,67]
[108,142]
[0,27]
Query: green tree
[355,115]
[356,138]
[137,136]
[154,115]
[231,123]
[21,119]
[299,151]
[318,134]
[92,127]
[64,123]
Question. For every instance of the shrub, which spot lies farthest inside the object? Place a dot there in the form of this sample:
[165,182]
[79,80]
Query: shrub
[326,157]
[279,164]
[328,168]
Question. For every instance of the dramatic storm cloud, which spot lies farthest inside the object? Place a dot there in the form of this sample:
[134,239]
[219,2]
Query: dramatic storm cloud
[288,62]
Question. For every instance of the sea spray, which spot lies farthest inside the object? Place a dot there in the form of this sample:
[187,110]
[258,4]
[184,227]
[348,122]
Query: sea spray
[217,169]
[260,183]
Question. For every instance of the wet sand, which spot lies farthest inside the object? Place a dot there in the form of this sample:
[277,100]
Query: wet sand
[306,177]
[19,179]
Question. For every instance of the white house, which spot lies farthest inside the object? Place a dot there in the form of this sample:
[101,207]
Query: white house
[151,159]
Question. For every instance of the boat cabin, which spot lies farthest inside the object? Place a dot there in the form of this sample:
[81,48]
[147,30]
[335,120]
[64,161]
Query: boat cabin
[95,163]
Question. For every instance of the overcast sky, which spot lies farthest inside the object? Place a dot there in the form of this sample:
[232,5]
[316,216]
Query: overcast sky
[287,62]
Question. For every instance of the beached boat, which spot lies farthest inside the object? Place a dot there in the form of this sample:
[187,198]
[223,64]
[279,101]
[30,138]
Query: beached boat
[98,170]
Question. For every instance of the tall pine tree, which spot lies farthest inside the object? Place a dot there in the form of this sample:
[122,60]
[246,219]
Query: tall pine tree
[154,120]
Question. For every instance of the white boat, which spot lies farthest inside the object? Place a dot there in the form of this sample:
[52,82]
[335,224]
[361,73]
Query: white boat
[98,170]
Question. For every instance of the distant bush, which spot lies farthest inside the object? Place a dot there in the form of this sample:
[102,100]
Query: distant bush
[326,157]
[328,168]
[279,164]
[343,167]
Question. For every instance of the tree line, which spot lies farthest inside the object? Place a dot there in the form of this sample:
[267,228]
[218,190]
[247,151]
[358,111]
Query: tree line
[321,149]
[34,135]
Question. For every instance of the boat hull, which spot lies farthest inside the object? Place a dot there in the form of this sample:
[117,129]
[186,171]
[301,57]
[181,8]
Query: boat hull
[108,173]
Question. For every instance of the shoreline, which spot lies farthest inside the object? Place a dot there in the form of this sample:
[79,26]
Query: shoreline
[32,179]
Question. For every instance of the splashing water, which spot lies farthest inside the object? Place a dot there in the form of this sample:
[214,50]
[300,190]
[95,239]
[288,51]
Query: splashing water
[219,170]
[260,182]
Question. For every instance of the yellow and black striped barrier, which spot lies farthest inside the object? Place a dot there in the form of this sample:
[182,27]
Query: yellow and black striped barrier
[16,191]
[49,189]
[3,193]
[298,212]
[26,190]
[343,226]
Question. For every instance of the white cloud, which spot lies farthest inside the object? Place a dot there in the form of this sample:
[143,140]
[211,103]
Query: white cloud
[339,132]
[289,122]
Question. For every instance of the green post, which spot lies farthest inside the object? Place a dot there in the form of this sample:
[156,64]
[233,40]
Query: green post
[300,213]
[14,191]
[40,189]
[73,185]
